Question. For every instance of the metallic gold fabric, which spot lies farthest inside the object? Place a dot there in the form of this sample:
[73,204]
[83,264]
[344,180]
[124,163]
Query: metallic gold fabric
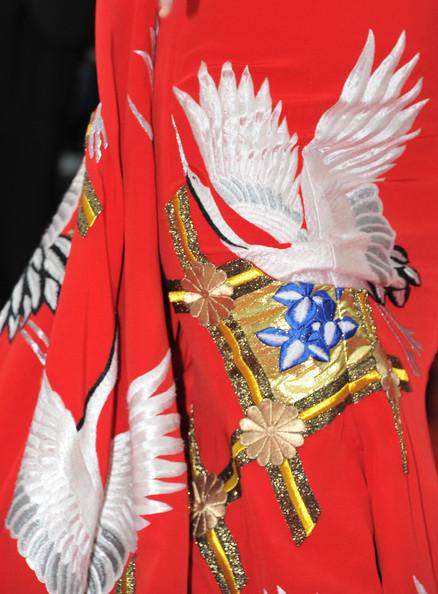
[89,208]
[320,391]
[217,546]
[127,583]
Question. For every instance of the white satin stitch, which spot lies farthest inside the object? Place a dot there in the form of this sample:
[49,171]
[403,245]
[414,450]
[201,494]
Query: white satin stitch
[140,118]
[42,279]
[251,161]
[97,139]
[419,586]
[75,535]
[149,60]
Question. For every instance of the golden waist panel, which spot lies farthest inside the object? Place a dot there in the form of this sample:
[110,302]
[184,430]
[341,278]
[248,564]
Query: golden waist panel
[319,389]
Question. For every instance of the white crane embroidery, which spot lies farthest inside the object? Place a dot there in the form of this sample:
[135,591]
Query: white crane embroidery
[251,161]
[75,534]
[42,278]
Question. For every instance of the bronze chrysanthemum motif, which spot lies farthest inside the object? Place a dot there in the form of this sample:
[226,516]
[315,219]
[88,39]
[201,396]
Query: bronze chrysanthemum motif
[208,293]
[389,380]
[271,432]
[208,503]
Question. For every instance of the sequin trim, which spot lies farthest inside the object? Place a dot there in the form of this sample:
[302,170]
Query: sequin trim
[89,208]
[217,546]
[127,583]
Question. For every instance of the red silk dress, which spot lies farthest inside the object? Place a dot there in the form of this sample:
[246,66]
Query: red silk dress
[213,368]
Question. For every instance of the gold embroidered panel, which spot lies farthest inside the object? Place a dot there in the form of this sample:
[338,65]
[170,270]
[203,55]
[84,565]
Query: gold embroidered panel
[315,391]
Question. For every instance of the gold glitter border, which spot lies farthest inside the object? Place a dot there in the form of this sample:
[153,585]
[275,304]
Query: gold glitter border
[90,207]
[217,547]
[127,583]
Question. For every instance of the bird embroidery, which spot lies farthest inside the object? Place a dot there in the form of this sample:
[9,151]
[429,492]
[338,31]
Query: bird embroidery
[251,160]
[75,533]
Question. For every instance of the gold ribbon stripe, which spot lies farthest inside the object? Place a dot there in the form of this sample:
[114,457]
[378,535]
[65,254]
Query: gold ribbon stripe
[257,397]
[295,497]
[222,559]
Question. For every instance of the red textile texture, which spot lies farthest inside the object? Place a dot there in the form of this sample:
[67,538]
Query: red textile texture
[376,527]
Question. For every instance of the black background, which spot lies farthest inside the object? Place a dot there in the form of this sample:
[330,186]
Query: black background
[48,91]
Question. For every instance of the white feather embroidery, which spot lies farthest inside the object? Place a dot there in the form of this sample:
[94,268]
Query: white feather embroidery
[75,535]
[42,279]
[419,586]
[252,163]
[97,139]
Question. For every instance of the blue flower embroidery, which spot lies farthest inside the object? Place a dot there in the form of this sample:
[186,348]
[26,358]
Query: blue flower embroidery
[313,328]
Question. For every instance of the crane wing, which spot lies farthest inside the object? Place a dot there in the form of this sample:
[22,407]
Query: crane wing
[137,472]
[357,141]
[55,507]
[250,157]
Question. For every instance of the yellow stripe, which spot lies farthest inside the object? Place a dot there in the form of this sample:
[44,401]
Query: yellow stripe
[257,397]
[234,479]
[234,281]
[176,296]
[244,277]
[222,560]
[240,363]
[342,394]
[295,497]
[401,374]
[90,215]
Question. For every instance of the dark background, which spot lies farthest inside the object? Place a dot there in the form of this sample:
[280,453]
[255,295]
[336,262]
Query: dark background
[48,91]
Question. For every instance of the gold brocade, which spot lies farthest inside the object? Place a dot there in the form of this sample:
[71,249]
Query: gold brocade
[89,208]
[127,583]
[217,546]
[320,391]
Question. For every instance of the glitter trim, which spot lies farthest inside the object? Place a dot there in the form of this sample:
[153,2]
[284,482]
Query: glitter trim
[89,208]
[218,547]
[398,423]
[127,583]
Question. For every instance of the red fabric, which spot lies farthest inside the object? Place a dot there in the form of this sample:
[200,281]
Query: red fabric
[369,508]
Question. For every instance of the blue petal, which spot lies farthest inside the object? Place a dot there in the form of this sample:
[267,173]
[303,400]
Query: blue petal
[292,353]
[339,291]
[292,292]
[274,337]
[326,305]
[347,326]
[301,313]
[318,350]
[331,333]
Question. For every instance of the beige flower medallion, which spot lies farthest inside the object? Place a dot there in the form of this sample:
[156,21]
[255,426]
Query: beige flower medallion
[388,378]
[271,432]
[207,292]
[208,503]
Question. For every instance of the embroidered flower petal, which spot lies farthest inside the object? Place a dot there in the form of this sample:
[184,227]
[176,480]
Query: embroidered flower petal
[331,334]
[319,350]
[326,305]
[301,312]
[293,292]
[292,353]
[348,327]
[274,337]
